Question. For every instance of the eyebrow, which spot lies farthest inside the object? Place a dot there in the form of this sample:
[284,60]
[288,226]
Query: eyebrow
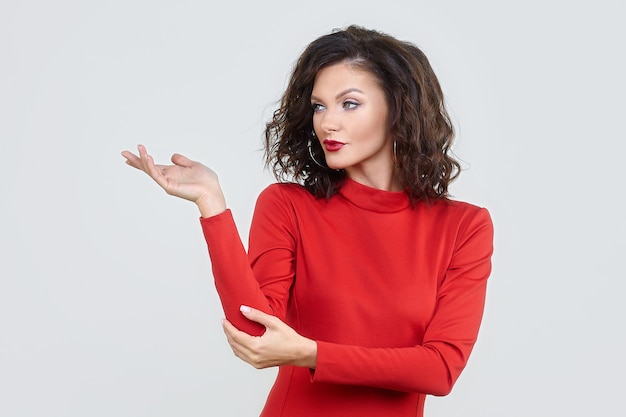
[343,93]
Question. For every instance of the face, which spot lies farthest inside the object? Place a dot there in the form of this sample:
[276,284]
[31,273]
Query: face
[350,121]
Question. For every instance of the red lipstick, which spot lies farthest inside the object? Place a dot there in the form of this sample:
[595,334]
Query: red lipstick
[333,145]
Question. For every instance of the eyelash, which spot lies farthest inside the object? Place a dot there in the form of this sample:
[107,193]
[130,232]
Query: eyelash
[348,105]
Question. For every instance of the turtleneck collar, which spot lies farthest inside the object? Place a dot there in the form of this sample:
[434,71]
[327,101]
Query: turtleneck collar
[373,199]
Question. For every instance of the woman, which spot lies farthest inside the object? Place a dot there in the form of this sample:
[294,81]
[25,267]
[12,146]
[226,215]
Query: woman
[364,282]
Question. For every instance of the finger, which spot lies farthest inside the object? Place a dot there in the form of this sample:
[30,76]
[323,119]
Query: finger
[234,346]
[258,316]
[129,155]
[233,334]
[157,173]
[141,151]
[228,328]
[132,159]
[150,168]
[240,342]
[182,161]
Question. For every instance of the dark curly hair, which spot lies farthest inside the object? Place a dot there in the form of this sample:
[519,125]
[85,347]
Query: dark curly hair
[417,118]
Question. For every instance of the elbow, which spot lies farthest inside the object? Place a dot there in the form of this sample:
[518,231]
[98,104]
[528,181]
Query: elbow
[438,384]
[442,381]
[444,372]
[441,386]
[441,389]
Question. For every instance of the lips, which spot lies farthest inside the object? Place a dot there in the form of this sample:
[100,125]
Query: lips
[333,145]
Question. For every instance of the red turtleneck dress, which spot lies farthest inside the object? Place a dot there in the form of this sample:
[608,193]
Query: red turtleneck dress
[393,295]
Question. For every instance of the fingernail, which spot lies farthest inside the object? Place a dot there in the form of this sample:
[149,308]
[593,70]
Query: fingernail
[244,309]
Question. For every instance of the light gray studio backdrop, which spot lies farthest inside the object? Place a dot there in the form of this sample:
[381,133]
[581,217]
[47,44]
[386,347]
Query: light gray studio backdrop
[107,306]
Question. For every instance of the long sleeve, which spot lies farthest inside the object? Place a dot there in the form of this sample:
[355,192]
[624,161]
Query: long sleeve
[393,294]
[232,268]
[433,366]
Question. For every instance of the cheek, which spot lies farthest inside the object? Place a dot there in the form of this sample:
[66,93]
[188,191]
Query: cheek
[379,127]
[316,127]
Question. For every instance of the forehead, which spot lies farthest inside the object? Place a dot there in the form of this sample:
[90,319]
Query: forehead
[342,76]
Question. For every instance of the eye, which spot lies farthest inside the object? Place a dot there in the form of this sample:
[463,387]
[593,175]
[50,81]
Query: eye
[349,104]
[317,107]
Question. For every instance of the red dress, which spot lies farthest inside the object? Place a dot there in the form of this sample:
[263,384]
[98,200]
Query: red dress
[393,295]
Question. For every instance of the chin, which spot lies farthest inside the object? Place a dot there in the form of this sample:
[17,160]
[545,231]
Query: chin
[335,165]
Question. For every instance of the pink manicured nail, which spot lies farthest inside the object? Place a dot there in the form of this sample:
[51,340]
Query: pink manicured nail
[244,309]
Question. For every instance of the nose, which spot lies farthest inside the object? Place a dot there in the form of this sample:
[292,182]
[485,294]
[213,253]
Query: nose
[330,120]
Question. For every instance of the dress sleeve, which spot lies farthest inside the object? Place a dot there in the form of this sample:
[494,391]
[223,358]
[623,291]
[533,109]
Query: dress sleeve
[433,366]
[261,282]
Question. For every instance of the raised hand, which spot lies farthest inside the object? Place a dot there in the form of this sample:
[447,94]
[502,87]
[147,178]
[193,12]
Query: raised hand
[279,345]
[186,179]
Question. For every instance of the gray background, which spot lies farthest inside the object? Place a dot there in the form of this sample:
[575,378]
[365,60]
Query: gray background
[107,305]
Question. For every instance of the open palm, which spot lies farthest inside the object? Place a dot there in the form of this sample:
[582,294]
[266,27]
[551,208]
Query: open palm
[186,179]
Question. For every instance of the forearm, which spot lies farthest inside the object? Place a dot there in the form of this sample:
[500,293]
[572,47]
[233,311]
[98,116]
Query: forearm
[261,279]
[421,369]
[233,276]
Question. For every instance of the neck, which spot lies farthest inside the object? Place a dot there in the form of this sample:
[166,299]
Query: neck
[389,181]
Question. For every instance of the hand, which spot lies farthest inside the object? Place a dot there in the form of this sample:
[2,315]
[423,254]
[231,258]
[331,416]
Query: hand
[279,345]
[186,179]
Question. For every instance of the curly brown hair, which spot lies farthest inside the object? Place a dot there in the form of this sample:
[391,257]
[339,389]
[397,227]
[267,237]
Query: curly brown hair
[417,119]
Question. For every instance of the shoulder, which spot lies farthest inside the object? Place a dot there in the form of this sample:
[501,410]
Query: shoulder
[290,188]
[284,196]
[461,209]
[474,226]
[464,217]
[284,191]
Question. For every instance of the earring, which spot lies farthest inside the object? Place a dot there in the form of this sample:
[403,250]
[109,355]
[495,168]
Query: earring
[309,144]
[395,153]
